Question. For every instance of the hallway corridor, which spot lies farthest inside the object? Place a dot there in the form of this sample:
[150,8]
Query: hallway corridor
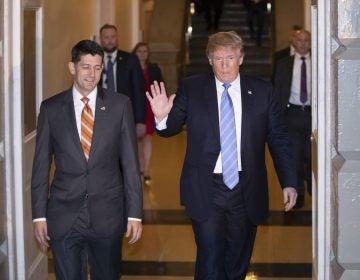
[167,249]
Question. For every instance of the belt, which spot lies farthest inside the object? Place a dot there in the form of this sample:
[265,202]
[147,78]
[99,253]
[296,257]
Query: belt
[219,176]
[299,107]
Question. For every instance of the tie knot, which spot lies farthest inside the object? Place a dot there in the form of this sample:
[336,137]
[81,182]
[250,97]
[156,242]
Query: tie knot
[303,58]
[85,100]
[226,86]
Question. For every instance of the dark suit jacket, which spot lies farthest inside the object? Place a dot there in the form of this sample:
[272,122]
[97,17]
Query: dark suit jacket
[281,54]
[154,73]
[110,177]
[262,121]
[129,81]
[283,79]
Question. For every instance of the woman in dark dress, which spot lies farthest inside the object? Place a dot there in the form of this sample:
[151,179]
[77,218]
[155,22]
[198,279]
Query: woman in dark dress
[151,73]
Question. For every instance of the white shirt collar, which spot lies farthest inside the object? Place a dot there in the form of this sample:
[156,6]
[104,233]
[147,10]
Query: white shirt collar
[113,55]
[299,56]
[235,84]
[77,97]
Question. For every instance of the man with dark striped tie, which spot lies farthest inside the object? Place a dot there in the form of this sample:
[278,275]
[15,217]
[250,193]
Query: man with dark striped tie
[292,88]
[95,195]
[229,118]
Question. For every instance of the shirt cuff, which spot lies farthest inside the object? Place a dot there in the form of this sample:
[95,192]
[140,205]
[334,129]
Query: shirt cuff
[161,125]
[134,219]
[39,220]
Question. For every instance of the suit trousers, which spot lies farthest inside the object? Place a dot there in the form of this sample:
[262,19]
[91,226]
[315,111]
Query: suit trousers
[81,245]
[299,126]
[225,240]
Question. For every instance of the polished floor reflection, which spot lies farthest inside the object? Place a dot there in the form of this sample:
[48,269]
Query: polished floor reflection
[167,249]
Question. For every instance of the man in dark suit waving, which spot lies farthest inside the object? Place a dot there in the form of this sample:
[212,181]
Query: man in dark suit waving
[95,195]
[229,118]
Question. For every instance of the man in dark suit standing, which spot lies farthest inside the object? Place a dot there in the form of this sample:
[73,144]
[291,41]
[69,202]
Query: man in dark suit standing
[229,118]
[95,195]
[123,74]
[292,88]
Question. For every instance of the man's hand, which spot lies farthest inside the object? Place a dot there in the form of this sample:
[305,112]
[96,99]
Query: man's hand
[140,130]
[159,102]
[134,230]
[290,196]
[40,231]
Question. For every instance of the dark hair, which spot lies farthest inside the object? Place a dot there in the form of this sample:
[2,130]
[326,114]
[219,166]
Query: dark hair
[141,44]
[108,26]
[296,27]
[85,47]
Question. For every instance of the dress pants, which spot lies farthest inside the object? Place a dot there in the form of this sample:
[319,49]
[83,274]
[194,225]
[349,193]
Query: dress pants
[256,17]
[79,245]
[226,239]
[299,126]
[213,12]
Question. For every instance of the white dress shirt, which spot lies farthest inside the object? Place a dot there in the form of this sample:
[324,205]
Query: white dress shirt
[235,94]
[296,78]
[79,106]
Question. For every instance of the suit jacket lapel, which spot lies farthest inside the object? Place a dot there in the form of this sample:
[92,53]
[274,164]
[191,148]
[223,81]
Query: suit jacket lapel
[210,97]
[100,120]
[69,116]
[247,106]
[289,73]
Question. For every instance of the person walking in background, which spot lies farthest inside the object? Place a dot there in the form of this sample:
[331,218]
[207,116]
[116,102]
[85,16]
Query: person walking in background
[213,11]
[289,50]
[229,118]
[151,73]
[123,74]
[95,195]
[285,52]
[292,88]
[256,15]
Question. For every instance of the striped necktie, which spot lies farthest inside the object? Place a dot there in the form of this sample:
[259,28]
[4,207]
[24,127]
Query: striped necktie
[229,155]
[87,126]
[110,82]
[303,83]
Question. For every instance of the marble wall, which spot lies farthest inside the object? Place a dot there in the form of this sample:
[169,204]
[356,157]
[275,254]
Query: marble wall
[3,228]
[346,136]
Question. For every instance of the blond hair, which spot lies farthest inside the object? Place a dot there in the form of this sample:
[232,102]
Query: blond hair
[224,39]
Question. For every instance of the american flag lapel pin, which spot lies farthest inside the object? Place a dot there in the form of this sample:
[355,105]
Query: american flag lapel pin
[249,91]
[102,108]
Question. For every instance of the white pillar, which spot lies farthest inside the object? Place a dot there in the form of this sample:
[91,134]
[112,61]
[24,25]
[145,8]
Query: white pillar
[136,35]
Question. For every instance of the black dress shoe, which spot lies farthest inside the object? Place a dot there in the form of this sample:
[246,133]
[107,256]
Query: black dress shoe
[299,201]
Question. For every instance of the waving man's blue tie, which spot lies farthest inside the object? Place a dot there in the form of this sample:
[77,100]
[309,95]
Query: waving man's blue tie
[229,155]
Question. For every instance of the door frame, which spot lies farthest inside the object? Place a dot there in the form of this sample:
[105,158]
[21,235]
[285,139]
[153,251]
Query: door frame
[321,138]
[15,153]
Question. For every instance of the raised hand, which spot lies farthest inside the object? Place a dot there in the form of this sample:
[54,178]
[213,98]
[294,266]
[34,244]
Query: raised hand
[159,102]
